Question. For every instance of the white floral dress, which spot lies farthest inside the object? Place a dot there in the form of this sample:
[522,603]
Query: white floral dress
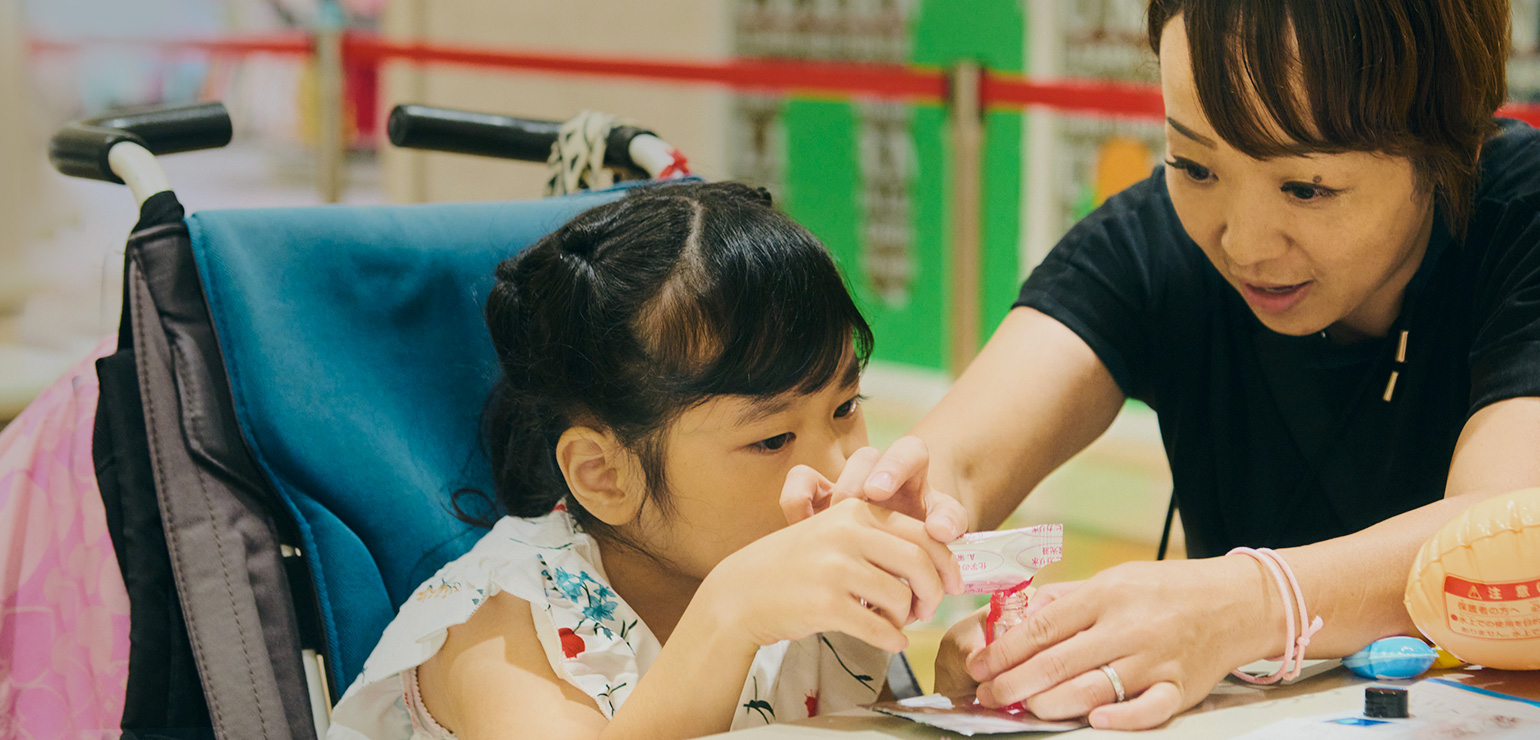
[592,638]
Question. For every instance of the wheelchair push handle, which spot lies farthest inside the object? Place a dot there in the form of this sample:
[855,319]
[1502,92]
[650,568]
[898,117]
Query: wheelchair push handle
[507,137]
[83,148]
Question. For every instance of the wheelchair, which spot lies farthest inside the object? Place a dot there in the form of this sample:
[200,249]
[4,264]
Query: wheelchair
[293,398]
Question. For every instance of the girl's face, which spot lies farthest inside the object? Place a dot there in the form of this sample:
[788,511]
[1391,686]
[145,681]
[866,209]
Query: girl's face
[1310,242]
[727,461]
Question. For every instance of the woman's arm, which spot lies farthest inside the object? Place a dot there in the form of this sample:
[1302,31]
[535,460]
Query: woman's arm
[1498,452]
[1171,630]
[1036,395]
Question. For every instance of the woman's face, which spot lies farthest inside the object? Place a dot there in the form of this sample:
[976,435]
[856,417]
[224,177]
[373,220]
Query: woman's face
[726,462]
[1310,242]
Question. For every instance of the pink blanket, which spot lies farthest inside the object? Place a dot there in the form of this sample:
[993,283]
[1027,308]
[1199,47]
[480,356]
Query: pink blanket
[63,610]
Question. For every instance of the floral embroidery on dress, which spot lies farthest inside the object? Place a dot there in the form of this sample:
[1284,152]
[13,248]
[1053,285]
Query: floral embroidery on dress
[444,589]
[594,599]
[608,695]
[756,704]
[571,643]
[861,677]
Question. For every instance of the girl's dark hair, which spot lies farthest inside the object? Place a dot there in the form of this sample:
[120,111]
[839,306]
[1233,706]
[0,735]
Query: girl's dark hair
[1414,78]
[638,309]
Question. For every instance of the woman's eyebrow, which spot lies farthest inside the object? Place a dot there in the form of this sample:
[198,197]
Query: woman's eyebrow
[1189,133]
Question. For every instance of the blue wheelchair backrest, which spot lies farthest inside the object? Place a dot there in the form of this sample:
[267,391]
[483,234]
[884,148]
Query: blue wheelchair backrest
[359,362]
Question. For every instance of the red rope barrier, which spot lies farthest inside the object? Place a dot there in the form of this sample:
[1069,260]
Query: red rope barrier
[1075,96]
[892,81]
[1526,112]
[296,44]
[829,79]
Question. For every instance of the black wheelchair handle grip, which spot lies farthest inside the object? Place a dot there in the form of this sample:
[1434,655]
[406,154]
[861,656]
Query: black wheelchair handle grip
[79,148]
[493,135]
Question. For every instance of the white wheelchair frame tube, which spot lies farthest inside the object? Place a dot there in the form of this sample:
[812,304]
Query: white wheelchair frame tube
[651,154]
[138,169]
[315,674]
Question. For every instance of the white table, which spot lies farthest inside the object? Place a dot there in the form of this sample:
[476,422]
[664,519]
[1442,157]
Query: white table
[1233,709]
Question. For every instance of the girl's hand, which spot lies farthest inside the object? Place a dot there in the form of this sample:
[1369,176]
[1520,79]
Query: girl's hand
[895,479]
[855,568]
[961,642]
[1170,630]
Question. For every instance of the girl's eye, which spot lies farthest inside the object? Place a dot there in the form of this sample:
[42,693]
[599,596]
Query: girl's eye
[773,444]
[1196,172]
[1307,191]
[849,407]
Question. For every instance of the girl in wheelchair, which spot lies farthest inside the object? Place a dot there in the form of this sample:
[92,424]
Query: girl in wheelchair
[672,362]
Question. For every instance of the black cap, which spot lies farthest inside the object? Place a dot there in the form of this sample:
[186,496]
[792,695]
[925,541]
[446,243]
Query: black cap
[1384,702]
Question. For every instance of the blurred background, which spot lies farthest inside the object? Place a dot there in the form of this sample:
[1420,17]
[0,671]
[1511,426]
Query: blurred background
[871,176]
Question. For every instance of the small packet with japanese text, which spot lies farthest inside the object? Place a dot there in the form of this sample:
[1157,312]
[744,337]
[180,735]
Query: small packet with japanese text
[1002,565]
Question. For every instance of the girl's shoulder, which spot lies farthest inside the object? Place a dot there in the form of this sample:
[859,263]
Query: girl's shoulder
[537,560]
[592,638]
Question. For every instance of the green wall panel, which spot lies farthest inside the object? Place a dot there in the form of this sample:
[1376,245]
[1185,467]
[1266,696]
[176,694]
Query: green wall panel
[1001,259]
[823,178]
[823,188]
[926,326]
[992,33]
[823,184]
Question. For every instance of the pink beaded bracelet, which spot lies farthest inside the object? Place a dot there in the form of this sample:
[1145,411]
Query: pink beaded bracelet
[1294,602]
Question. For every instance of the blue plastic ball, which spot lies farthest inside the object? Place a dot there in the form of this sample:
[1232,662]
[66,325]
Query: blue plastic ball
[1392,658]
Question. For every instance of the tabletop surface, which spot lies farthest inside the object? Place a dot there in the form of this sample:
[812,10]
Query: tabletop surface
[1233,709]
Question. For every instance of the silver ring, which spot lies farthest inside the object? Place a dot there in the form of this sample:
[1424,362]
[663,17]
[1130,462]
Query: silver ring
[1117,683]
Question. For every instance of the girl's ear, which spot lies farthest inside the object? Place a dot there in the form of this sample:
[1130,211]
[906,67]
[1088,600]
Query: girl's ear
[603,475]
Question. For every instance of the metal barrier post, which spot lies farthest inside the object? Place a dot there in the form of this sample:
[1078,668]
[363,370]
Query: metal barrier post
[964,83]
[331,145]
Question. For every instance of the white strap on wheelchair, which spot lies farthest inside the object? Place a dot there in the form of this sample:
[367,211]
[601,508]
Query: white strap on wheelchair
[137,167]
[577,156]
[652,154]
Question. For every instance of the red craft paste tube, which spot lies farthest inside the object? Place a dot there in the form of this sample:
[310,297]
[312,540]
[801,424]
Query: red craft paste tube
[1002,564]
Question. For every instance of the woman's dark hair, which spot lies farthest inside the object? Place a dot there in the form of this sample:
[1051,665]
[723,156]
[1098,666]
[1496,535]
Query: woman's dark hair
[638,309]
[1414,78]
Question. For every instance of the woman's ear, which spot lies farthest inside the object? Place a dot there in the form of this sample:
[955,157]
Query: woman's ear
[602,474]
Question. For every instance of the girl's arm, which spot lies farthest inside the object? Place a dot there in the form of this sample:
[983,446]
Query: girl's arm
[491,679]
[855,569]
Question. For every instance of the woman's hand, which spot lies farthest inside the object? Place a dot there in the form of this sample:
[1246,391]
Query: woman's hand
[1170,631]
[896,479]
[855,568]
[961,642]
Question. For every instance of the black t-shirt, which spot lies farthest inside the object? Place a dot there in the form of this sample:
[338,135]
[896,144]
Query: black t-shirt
[1276,440]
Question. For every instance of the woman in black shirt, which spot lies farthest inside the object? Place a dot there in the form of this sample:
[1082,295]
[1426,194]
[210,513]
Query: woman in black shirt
[1330,295]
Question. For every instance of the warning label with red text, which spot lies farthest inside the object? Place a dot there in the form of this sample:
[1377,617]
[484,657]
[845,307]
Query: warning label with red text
[1495,611]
